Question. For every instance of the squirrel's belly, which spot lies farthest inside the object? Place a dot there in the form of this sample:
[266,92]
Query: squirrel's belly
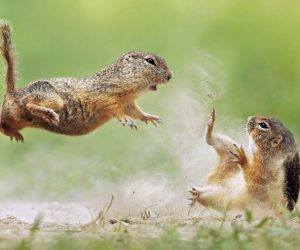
[76,127]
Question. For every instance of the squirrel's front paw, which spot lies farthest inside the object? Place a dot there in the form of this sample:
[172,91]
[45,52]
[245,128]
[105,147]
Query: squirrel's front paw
[151,118]
[211,119]
[239,155]
[129,121]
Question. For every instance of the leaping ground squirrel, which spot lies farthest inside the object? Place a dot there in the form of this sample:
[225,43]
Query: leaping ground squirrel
[73,106]
[271,177]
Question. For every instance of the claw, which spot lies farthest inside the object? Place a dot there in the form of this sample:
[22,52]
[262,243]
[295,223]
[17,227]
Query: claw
[239,156]
[234,154]
[152,118]
[211,118]
[154,123]
[160,121]
[193,199]
[127,120]
[16,136]
[132,125]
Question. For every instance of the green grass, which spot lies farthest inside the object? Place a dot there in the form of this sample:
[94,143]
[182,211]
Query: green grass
[172,234]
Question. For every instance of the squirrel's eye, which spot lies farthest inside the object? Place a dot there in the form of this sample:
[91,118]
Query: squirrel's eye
[150,60]
[263,125]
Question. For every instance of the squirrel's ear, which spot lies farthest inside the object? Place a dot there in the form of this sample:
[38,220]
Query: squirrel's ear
[128,58]
[276,141]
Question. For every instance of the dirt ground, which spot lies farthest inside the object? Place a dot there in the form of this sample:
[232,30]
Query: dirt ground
[43,223]
[81,220]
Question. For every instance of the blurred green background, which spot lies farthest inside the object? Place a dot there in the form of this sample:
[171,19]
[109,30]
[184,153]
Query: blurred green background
[255,43]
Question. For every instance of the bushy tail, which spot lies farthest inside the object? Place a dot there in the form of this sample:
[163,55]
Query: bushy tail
[8,54]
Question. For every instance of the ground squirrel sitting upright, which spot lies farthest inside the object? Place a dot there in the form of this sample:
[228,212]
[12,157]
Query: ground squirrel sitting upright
[78,106]
[271,177]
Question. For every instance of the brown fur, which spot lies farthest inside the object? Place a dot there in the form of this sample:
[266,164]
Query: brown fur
[78,106]
[266,177]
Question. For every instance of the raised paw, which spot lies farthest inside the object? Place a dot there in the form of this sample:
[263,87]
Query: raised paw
[51,116]
[126,120]
[152,118]
[211,119]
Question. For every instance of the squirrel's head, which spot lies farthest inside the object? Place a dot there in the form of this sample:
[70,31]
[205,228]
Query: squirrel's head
[145,70]
[269,137]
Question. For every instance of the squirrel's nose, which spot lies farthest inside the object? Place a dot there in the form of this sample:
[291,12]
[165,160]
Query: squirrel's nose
[169,76]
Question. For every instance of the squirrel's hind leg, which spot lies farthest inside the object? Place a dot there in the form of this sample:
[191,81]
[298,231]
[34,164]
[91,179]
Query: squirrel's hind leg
[219,197]
[209,196]
[13,135]
[17,136]
[11,132]
[45,106]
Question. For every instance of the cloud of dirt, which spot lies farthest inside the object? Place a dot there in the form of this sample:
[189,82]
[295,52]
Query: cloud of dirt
[188,111]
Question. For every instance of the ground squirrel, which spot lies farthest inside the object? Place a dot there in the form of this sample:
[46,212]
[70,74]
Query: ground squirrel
[271,177]
[78,106]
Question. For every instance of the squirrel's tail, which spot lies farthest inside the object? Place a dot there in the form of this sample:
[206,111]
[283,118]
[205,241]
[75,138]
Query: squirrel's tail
[8,54]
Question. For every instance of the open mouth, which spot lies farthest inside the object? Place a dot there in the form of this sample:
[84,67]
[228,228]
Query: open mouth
[153,87]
